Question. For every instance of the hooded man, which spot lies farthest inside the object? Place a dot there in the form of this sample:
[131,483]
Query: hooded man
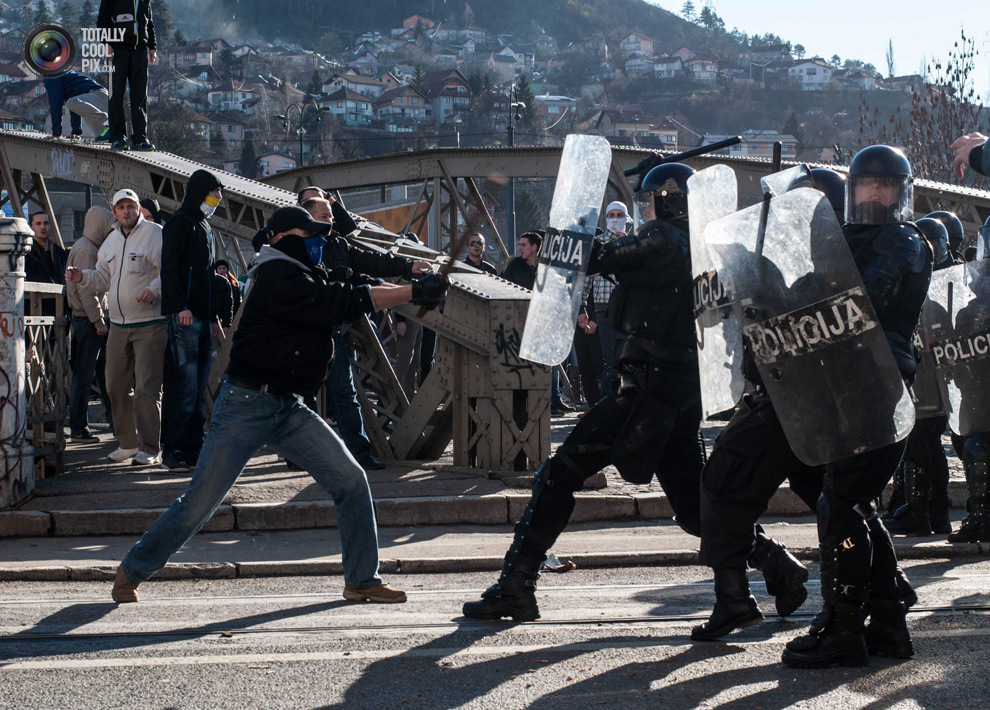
[89,327]
[187,302]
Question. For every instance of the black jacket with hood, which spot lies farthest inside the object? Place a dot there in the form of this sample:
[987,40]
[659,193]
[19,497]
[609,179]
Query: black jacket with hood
[113,14]
[285,334]
[187,252]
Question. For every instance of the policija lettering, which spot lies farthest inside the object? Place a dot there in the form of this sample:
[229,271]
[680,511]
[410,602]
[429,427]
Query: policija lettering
[709,292]
[806,330]
[564,249]
[975,346]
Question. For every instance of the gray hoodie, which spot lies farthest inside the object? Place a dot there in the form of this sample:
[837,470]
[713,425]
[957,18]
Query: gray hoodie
[98,224]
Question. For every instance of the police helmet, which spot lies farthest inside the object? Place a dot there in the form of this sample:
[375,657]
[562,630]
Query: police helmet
[833,184]
[880,188]
[937,235]
[983,241]
[664,189]
[953,225]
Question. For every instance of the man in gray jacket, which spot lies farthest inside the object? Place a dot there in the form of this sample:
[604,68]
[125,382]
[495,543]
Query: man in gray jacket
[89,328]
[128,271]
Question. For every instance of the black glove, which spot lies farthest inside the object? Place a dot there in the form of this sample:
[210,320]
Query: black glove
[407,274]
[429,291]
[343,223]
[594,262]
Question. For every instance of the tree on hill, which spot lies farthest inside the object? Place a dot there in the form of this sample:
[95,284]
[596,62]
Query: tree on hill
[688,12]
[87,14]
[41,12]
[248,164]
[68,15]
[799,51]
[525,96]
[315,87]
[793,127]
[164,22]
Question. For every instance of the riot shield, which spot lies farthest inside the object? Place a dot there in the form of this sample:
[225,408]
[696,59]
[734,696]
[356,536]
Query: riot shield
[711,196]
[777,184]
[577,200]
[926,387]
[957,320]
[812,330]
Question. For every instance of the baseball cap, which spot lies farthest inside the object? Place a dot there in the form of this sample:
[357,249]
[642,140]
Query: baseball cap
[125,194]
[286,218]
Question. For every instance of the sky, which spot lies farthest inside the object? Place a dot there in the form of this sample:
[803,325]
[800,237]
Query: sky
[860,29]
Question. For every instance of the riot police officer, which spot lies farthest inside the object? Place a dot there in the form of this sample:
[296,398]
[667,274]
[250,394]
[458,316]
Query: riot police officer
[922,479]
[858,564]
[956,233]
[651,427]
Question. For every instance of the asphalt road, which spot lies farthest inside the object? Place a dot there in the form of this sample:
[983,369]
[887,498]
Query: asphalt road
[607,637]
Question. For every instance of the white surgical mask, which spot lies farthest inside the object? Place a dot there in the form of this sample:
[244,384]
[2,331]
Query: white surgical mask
[207,209]
[615,224]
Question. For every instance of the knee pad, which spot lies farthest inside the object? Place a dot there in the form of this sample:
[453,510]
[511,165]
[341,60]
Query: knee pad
[977,449]
[567,472]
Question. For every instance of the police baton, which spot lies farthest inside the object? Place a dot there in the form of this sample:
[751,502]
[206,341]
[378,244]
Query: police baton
[648,163]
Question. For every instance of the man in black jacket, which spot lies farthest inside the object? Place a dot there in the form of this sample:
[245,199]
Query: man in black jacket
[130,19]
[356,266]
[280,354]
[522,269]
[45,263]
[476,255]
[187,301]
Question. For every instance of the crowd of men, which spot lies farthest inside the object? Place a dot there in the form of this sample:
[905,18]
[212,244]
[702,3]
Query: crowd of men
[152,299]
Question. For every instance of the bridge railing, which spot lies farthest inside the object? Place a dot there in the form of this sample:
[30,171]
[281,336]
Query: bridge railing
[46,341]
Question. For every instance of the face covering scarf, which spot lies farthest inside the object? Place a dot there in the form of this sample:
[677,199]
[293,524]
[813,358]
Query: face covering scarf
[314,248]
[615,224]
[209,205]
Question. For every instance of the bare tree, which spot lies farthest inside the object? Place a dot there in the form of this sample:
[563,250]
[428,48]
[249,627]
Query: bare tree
[890,58]
[942,107]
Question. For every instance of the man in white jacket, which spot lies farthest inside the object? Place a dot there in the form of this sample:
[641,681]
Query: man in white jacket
[127,270]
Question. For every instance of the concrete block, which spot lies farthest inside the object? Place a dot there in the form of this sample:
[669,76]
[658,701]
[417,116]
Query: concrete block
[653,506]
[607,507]
[786,502]
[96,573]
[474,510]
[517,504]
[40,573]
[285,516]
[192,570]
[26,523]
[304,568]
[130,521]
[445,565]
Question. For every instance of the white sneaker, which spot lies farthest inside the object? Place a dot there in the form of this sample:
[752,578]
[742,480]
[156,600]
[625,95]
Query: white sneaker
[122,454]
[145,459]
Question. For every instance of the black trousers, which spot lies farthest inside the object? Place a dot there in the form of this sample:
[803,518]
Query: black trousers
[589,356]
[130,68]
[750,460]
[925,450]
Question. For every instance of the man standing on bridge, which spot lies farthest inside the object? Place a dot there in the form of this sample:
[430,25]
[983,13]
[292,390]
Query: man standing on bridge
[131,20]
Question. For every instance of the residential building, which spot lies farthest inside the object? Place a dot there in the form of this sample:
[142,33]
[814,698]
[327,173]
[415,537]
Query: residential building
[349,107]
[757,143]
[417,20]
[233,95]
[686,54]
[702,69]
[636,43]
[402,102]
[810,75]
[776,52]
[230,125]
[12,72]
[367,85]
[638,65]
[551,108]
[364,62]
[630,121]
[855,81]
[503,67]
[269,164]
[477,34]
[668,67]
[12,122]
[449,94]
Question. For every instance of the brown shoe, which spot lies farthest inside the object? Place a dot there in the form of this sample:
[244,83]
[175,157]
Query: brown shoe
[124,590]
[381,594]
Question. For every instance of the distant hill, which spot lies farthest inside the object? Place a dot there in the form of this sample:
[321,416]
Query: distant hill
[566,20]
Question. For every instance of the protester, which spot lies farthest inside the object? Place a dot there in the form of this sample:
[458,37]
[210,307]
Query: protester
[476,255]
[151,210]
[187,302]
[89,325]
[45,262]
[84,98]
[279,357]
[128,271]
[969,152]
[226,293]
[131,59]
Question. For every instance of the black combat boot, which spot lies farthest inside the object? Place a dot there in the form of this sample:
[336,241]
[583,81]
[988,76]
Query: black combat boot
[905,591]
[513,596]
[912,518]
[735,607]
[887,633]
[976,526]
[784,574]
[897,496]
[839,642]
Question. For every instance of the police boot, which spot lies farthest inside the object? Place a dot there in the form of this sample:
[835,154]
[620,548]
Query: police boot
[912,518]
[975,526]
[513,596]
[905,591]
[879,536]
[839,642]
[735,607]
[784,575]
[897,497]
[887,633]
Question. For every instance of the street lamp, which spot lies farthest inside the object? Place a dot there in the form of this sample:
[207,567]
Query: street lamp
[301,110]
[515,115]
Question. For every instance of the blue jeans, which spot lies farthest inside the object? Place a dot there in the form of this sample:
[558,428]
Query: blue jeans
[243,421]
[88,347]
[342,401]
[192,354]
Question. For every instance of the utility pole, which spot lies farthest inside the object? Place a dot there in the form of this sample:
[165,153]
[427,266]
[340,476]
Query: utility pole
[514,117]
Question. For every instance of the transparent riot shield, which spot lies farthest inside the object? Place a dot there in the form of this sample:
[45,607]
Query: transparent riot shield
[812,329]
[786,180]
[926,388]
[957,320]
[712,195]
[577,200]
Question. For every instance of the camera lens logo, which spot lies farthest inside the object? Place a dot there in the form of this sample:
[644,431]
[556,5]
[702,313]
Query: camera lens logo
[49,49]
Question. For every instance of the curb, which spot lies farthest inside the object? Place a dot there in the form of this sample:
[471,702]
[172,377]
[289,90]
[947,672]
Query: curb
[503,508]
[439,565]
